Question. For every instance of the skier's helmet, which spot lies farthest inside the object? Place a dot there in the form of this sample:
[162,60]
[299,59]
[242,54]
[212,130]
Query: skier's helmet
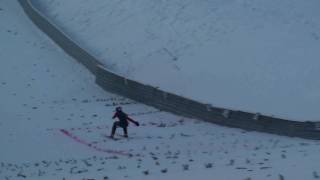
[119,108]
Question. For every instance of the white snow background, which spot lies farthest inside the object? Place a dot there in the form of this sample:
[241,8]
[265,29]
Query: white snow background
[43,91]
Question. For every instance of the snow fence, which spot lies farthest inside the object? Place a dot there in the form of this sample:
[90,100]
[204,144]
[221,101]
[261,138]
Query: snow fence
[164,100]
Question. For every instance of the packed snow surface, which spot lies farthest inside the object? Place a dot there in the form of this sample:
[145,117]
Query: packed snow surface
[54,119]
[250,55]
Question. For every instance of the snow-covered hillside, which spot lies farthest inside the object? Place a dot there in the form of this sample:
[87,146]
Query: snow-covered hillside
[252,55]
[53,122]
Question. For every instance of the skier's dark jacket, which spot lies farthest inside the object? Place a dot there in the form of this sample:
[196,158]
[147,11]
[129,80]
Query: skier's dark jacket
[123,118]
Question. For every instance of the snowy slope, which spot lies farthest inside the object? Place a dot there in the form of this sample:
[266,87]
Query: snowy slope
[38,81]
[45,93]
[256,56]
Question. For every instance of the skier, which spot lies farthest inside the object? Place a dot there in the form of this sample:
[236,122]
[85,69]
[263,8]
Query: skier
[123,122]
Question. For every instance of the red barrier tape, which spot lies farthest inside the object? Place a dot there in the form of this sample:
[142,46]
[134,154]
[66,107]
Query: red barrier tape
[96,148]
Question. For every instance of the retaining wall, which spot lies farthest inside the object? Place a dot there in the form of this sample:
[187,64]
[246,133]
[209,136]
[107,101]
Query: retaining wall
[167,101]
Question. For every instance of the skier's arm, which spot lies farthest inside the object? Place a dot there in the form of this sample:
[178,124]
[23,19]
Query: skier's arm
[115,115]
[133,121]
